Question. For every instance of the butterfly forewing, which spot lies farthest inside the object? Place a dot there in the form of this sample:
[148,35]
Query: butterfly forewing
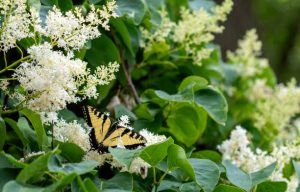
[99,122]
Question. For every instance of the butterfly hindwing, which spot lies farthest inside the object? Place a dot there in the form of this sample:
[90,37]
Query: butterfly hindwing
[124,136]
[104,134]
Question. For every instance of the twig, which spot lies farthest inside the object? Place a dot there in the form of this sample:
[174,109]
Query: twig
[124,63]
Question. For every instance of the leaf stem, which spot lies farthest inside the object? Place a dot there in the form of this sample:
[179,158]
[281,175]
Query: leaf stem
[5,60]
[81,184]
[129,81]
[154,175]
[20,50]
[27,58]
[8,79]
[163,176]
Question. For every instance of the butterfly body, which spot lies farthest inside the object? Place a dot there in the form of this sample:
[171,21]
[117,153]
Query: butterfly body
[104,134]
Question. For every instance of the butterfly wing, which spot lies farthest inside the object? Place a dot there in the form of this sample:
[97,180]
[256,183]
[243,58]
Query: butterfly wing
[123,136]
[103,135]
[99,122]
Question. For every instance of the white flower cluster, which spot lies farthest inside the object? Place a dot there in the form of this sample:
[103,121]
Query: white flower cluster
[124,122]
[161,33]
[193,31]
[246,56]
[71,132]
[69,31]
[55,79]
[4,85]
[15,23]
[197,28]
[275,107]
[73,30]
[237,150]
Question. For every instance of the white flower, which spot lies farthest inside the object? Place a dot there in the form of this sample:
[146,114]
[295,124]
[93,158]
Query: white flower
[55,79]
[49,118]
[152,138]
[94,155]
[51,77]
[247,55]
[207,23]
[15,23]
[72,29]
[193,31]
[237,150]
[276,107]
[72,132]
[4,85]
[138,165]
[124,122]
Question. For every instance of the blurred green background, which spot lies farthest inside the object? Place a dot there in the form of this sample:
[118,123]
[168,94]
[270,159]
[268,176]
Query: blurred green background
[278,25]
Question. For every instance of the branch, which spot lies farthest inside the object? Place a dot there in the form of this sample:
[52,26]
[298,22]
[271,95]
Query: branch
[129,81]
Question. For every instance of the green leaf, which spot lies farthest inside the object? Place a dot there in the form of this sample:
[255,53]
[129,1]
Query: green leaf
[2,133]
[272,186]
[55,164]
[191,186]
[122,110]
[122,30]
[69,116]
[174,7]
[18,187]
[38,166]
[49,2]
[102,52]
[90,185]
[124,156]
[8,161]
[61,183]
[7,174]
[207,173]
[122,182]
[297,170]
[134,9]
[177,159]
[155,153]
[168,184]
[13,124]
[35,4]
[237,176]
[186,96]
[214,103]
[156,51]
[150,96]
[186,123]
[28,133]
[196,82]
[207,154]
[146,111]
[71,151]
[198,4]
[227,188]
[262,175]
[37,124]
[65,5]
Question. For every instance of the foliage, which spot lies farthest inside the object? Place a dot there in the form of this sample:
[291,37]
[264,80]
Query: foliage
[152,61]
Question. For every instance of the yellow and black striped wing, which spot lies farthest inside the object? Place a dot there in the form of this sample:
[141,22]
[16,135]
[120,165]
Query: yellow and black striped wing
[100,123]
[123,136]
